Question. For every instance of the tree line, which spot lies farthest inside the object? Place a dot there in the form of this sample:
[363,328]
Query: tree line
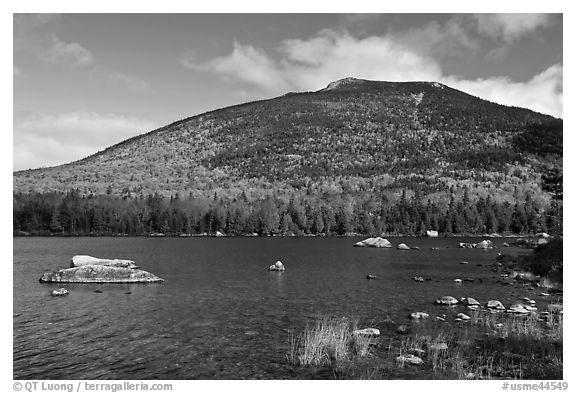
[71,213]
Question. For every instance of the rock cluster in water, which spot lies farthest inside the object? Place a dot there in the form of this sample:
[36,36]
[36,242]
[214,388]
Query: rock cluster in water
[484,244]
[278,267]
[100,271]
[493,306]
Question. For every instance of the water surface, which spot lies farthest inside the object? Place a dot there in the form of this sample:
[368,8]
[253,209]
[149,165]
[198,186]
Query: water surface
[220,314]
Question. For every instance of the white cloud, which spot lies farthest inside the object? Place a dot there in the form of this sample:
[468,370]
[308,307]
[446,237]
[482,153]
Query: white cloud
[71,53]
[542,93]
[132,82]
[510,27]
[246,63]
[52,139]
[310,64]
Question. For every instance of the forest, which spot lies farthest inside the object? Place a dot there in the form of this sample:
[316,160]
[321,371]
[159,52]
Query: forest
[107,215]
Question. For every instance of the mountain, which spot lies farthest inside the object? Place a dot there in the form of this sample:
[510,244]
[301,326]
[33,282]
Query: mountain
[375,142]
[353,129]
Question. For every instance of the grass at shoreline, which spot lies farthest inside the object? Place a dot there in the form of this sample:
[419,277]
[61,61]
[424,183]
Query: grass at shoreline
[488,346]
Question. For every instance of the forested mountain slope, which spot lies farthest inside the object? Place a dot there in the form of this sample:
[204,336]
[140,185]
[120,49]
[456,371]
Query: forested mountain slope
[355,141]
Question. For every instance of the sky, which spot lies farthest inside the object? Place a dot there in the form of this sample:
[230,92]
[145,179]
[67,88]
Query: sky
[83,82]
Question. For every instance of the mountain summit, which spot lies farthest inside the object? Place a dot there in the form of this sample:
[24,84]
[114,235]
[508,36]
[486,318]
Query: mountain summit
[354,136]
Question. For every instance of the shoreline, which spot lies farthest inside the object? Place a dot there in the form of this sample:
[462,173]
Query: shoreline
[351,235]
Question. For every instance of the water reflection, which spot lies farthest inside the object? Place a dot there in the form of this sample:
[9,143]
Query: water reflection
[276,283]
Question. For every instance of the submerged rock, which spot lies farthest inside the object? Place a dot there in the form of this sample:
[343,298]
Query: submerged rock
[377,242]
[60,292]
[100,274]
[403,329]
[278,266]
[84,260]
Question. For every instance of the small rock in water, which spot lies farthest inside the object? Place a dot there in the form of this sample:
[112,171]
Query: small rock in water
[448,300]
[470,301]
[370,277]
[463,316]
[97,291]
[367,332]
[464,262]
[458,281]
[544,294]
[419,315]
[60,292]
[418,279]
[495,304]
[251,333]
[469,279]
[402,246]
[403,329]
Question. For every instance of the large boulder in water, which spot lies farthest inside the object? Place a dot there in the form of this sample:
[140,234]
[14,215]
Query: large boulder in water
[84,260]
[377,242]
[100,274]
